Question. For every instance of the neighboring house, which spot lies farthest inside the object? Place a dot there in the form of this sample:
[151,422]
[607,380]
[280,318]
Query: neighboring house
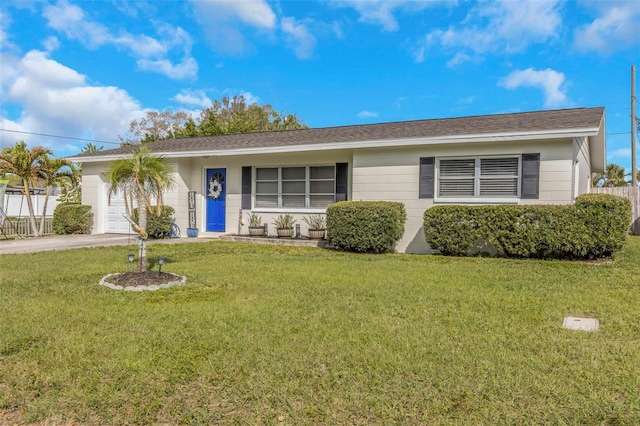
[541,157]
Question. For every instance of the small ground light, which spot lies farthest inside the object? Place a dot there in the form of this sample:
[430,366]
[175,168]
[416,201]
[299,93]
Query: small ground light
[160,263]
[130,257]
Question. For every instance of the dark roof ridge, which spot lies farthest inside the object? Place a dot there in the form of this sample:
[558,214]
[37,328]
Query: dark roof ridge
[533,122]
[417,120]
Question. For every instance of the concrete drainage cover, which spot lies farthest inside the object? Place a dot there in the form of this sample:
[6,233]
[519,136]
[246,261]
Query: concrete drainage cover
[584,324]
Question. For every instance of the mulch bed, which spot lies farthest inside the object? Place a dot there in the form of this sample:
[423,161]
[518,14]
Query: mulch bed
[148,278]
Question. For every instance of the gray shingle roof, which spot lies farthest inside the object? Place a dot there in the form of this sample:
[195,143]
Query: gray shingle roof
[523,122]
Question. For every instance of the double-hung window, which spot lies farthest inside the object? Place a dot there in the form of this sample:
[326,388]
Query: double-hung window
[295,187]
[479,177]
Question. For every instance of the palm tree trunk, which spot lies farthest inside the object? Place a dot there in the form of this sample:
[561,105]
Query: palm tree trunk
[32,216]
[127,209]
[44,211]
[142,222]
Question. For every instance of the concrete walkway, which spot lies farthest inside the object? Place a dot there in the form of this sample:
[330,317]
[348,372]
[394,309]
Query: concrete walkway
[66,242]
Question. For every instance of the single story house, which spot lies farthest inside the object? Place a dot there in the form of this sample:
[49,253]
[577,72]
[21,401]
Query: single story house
[539,157]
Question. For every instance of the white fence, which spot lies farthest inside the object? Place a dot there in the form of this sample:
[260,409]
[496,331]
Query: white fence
[633,194]
[15,205]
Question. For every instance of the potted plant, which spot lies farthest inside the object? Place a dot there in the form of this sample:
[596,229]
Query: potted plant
[284,225]
[317,226]
[255,225]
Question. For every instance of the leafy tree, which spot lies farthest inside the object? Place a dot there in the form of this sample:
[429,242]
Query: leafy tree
[25,163]
[156,126]
[233,115]
[140,176]
[50,173]
[225,116]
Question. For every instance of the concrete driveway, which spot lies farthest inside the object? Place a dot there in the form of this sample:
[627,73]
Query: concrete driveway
[65,242]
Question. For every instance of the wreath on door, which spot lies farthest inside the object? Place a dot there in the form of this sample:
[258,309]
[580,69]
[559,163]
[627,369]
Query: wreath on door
[215,185]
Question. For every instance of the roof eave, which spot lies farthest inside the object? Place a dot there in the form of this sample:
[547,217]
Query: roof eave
[598,148]
[385,143]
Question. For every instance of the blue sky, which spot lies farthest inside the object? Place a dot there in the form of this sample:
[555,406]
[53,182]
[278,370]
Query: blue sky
[85,69]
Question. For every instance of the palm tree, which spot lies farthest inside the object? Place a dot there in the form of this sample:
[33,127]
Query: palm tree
[141,176]
[50,173]
[24,163]
[70,184]
[613,176]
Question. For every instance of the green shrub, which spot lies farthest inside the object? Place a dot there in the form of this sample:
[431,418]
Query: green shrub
[608,218]
[158,225]
[72,218]
[452,230]
[365,226]
[595,227]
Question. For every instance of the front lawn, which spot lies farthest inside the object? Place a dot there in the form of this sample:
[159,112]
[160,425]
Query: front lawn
[281,335]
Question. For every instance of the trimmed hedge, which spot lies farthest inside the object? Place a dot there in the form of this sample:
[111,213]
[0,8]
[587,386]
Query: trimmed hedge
[595,227]
[158,225]
[72,218]
[365,226]
[608,219]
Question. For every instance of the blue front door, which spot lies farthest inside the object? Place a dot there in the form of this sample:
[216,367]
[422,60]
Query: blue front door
[216,193]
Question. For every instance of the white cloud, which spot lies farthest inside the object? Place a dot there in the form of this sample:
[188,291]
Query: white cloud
[70,19]
[615,29]
[187,68]
[57,100]
[418,54]
[256,13]
[501,26]
[550,81]
[458,59]
[399,102]
[336,28]
[467,101]
[140,45]
[193,97]
[152,54]
[624,153]
[36,67]
[299,36]
[51,43]
[367,114]
[9,71]
[220,20]
[12,134]
[5,35]
[381,12]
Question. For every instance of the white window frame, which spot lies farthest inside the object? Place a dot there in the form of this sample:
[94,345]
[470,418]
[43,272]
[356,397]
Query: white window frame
[307,194]
[477,198]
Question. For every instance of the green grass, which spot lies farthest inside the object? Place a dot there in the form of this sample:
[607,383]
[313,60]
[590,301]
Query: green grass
[281,335]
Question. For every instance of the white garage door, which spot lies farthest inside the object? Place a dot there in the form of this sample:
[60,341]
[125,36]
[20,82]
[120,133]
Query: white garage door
[116,223]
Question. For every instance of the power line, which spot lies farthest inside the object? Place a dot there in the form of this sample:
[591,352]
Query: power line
[60,137]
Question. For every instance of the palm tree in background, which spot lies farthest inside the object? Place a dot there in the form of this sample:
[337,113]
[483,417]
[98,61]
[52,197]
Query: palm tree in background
[140,177]
[50,174]
[24,163]
[613,176]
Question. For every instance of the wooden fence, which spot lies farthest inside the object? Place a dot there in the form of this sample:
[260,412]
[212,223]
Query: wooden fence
[14,227]
[633,194]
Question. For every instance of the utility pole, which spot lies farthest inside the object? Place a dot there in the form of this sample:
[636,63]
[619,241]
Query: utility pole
[634,177]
